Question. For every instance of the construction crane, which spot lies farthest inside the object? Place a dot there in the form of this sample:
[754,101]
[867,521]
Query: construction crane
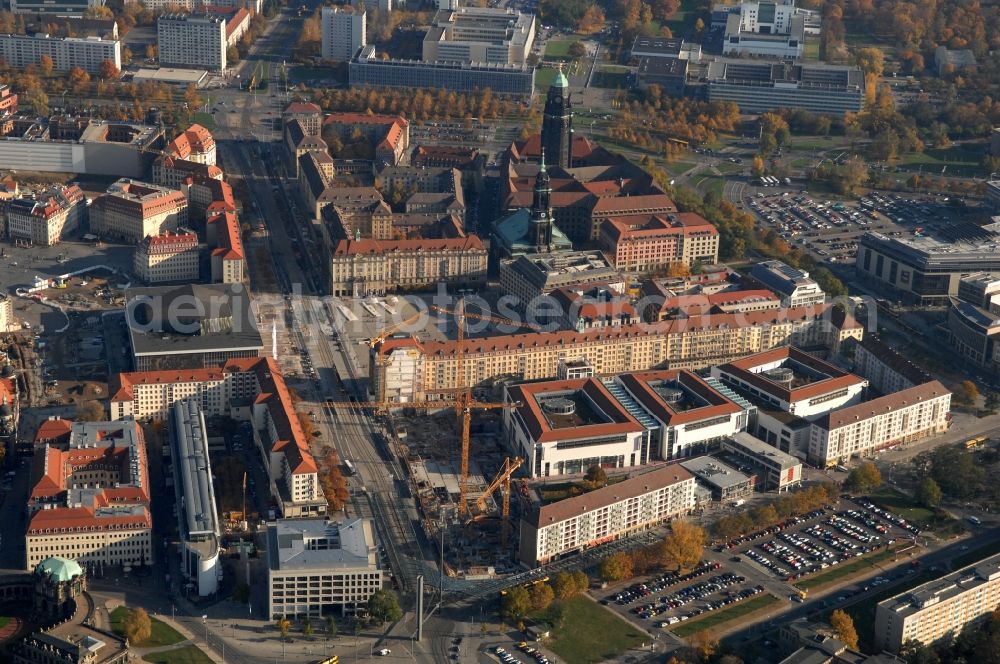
[467,408]
[377,341]
[501,481]
[493,319]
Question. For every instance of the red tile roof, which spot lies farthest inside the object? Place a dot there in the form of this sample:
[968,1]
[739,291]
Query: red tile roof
[377,247]
[230,245]
[837,378]
[540,427]
[53,431]
[195,140]
[882,405]
[299,107]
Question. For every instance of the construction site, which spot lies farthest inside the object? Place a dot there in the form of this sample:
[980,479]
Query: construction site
[463,480]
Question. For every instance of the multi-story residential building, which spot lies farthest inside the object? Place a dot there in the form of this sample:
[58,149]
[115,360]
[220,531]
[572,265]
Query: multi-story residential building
[315,565]
[190,40]
[8,101]
[368,69]
[194,496]
[481,35]
[417,371]
[171,172]
[191,326]
[251,389]
[48,218]
[90,497]
[643,242]
[663,305]
[765,29]
[390,134]
[638,503]
[941,608]
[794,286]
[309,115]
[593,306]
[344,31]
[168,257]
[228,258]
[132,210]
[922,269]
[207,197]
[298,141]
[886,370]
[816,411]
[6,313]
[565,426]
[760,86]
[75,8]
[66,52]
[193,144]
[371,267]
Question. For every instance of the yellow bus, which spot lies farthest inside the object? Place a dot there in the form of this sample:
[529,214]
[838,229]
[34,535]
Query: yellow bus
[976,442]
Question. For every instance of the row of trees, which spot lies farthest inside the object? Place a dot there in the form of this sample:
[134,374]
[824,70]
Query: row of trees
[775,511]
[679,551]
[419,104]
[522,600]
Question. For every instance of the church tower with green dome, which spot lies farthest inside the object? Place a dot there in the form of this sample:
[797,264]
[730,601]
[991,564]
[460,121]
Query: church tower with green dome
[557,122]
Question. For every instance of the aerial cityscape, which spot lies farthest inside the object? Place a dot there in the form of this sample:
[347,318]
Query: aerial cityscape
[499,331]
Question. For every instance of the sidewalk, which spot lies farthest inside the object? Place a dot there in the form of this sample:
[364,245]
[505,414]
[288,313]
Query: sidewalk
[110,605]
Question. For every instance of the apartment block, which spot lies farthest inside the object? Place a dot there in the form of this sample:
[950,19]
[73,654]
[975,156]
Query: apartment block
[132,210]
[359,268]
[638,503]
[941,608]
[228,260]
[189,40]
[46,219]
[416,371]
[168,257]
[171,172]
[645,242]
[66,52]
[90,495]
[315,565]
[74,8]
[344,31]
[390,134]
[193,144]
[250,389]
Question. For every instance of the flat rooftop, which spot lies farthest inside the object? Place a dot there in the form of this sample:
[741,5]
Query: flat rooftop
[196,499]
[945,588]
[318,544]
[930,251]
[757,447]
[714,472]
[172,75]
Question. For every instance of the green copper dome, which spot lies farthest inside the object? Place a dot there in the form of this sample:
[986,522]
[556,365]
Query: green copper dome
[60,569]
[560,81]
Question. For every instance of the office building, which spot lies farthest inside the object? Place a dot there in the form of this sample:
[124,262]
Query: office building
[250,389]
[939,609]
[647,242]
[529,277]
[765,29]
[725,482]
[665,48]
[83,146]
[565,426]
[46,219]
[815,411]
[191,40]
[191,326]
[508,80]
[194,494]
[949,61]
[307,113]
[359,268]
[668,73]
[228,259]
[132,210]
[343,30]
[638,503]
[389,134]
[973,333]
[665,305]
[193,144]
[167,257]
[774,469]
[757,87]
[416,371]
[89,497]
[924,270]
[792,285]
[480,35]
[66,52]
[68,8]
[317,566]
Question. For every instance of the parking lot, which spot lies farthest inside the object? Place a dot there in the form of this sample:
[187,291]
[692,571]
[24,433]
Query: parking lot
[830,229]
[768,560]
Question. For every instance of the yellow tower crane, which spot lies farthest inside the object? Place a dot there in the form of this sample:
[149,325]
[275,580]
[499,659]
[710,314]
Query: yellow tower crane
[501,481]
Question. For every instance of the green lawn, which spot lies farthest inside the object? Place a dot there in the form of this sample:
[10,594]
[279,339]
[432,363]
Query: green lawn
[904,506]
[163,634]
[711,183]
[683,21]
[4,620]
[543,77]
[206,120]
[185,655]
[716,618]
[589,633]
[952,160]
[811,50]
[836,573]
[678,167]
[729,168]
[559,49]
